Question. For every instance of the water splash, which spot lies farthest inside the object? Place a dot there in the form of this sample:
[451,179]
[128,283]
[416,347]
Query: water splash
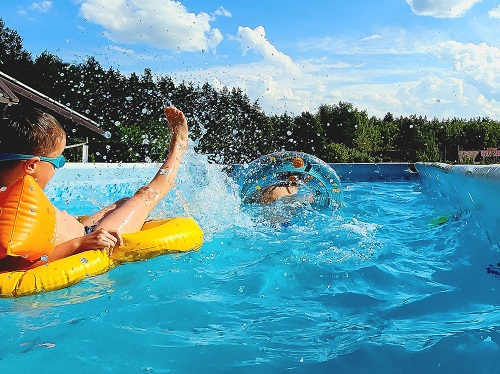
[204,191]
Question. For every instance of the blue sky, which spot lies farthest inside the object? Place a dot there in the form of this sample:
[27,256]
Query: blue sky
[439,58]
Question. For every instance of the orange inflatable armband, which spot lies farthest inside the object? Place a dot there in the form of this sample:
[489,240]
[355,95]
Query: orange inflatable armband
[27,220]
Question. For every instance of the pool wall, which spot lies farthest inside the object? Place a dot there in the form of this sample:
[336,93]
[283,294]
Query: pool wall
[375,172]
[472,189]
[122,179]
[109,173]
[83,173]
[68,183]
[362,172]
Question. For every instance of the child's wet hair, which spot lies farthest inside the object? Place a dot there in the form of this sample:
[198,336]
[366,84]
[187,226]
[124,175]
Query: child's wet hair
[28,130]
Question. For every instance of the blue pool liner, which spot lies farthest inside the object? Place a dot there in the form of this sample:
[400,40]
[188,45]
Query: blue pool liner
[472,189]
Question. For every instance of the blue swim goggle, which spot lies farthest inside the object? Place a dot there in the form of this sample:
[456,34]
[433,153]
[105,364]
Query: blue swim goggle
[58,162]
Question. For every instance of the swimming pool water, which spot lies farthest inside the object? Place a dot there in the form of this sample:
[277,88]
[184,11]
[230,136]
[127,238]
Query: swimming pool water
[376,286]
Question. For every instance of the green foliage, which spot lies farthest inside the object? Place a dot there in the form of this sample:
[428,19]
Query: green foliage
[139,142]
[336,153]
[14,59]
[225,124]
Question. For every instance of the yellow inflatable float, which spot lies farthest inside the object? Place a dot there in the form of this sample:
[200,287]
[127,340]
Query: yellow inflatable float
[22,206]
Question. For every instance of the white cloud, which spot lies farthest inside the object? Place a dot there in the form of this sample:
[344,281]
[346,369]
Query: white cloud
[223,12]
[371,37]
[447,98]
[451,90]
[255,40]
[164,24]
[436,78]
[479,62]
[120,49]
[441,8]
[388,40]
[275,90]
[495,12]
[41,7]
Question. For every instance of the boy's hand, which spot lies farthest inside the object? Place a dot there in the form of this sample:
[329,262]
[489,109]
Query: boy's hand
[101,239]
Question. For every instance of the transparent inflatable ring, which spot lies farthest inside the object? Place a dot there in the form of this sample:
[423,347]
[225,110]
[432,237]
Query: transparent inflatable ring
[315,175]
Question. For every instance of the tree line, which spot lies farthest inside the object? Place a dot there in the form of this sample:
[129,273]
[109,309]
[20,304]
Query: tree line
[225,123]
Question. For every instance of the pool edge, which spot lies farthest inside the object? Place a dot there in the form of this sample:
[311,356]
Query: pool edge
[471,189]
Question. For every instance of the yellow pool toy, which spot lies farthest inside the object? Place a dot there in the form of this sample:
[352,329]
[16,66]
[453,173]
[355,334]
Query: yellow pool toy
[178,234]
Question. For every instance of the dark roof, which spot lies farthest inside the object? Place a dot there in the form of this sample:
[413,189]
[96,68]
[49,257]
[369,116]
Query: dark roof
[10,87]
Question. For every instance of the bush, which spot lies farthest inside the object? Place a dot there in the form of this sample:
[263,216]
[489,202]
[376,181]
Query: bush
[337,153]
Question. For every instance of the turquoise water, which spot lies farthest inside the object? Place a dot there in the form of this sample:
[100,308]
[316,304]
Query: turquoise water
[377,286]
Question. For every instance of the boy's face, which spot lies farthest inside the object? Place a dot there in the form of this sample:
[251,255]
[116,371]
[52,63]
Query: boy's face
[44,170]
